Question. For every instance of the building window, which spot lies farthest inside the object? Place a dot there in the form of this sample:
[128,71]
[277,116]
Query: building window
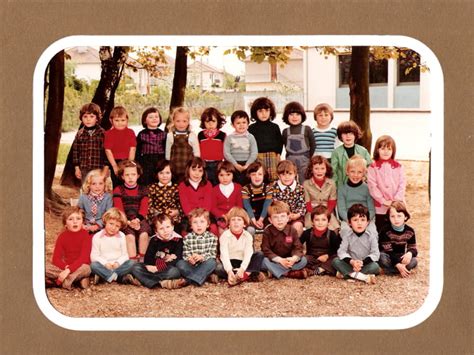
[407,74]
[378,70]
[273,72]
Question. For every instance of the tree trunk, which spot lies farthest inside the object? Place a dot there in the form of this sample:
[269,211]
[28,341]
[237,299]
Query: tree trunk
[359,93]
[179,79]
[112,65]
[54,118]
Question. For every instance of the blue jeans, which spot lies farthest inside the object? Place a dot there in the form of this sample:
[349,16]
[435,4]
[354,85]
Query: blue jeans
[386,264]
[196,274]
[255,265]
[278,270]
[151,279]
[108,275]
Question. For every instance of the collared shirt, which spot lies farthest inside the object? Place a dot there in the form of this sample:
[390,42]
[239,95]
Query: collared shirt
[203,244]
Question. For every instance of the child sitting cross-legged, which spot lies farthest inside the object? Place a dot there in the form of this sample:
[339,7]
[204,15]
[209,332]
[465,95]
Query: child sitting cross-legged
[164,251]
[321,243]
[71,253]
[239,261]
[281,245]
[109,257]
[398,242]
[199,249]
[359,252]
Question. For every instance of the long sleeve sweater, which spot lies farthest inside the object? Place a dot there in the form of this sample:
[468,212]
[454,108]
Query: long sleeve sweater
[232,247]
[268,136]
[73,249]
[240,147]
[109,249]
[350,194]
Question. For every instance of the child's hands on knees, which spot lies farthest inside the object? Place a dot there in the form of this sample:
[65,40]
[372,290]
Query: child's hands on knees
[63,274]
[406,258]
[323,258]
[109,266]
[404,272]
[356,265]
[285,263]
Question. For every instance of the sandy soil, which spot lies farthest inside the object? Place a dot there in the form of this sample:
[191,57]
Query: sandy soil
[315,296]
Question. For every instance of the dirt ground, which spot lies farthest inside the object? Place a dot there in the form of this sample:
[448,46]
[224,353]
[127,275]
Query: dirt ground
[313,297]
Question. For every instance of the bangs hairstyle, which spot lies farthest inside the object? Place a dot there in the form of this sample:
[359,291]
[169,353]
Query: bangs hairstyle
[318,159]
[118,111]
[237,212]
[226,166]
[102,173]
[384,141]
[262,102]
[399,206]
[278,207]
[93,109]
[293,107]
[115,214]
[356,161]
[349,127]
[319,210]
[175,111]
[199,212]
[196,162]
[239,114]
[358,209]
[69,210]
[286,166]
[323,107]
[160,218]
[253,168]
[147,112]
[129,164]
[209,113]
[163,163]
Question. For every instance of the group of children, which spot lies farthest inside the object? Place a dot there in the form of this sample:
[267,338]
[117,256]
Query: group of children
[184,208]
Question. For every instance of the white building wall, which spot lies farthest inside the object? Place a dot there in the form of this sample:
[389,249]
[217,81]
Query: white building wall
[87,71]
[321,80]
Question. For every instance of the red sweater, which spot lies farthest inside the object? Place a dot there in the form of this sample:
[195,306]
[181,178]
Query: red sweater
[73,249]
[120,142]
[221,204]
[212,148]
[191,198]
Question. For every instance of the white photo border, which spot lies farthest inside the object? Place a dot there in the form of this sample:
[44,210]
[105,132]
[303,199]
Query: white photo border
[245,324]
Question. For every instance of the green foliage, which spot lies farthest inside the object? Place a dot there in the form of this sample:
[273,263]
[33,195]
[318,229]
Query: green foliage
[62,153]
[197,101]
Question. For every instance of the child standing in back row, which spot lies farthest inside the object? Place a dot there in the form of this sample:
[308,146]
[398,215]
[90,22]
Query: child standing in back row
[325,135]
[181,143]
[348,132]
[267,134]
[120,142]
[298,138]
[211,141]
[386,179]
[88,146]
[150,145]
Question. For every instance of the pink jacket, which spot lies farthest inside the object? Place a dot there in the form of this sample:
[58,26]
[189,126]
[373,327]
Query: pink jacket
[387,182]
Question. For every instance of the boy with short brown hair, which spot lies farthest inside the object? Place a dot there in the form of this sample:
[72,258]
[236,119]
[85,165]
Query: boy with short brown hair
[281,245]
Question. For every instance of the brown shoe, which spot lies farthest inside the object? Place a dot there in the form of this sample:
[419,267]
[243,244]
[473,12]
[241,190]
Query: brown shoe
[213,279]
[259,277]
[173,284]
[129,279]
[297,274]
[84,283]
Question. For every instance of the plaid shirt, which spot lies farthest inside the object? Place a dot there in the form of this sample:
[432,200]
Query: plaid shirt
[204,244]
[88,149]
[151,142]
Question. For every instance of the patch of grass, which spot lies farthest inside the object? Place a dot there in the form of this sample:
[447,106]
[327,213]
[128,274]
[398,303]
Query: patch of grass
[62,153]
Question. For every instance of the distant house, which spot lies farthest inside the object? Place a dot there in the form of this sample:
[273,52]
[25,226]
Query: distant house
[87,67]
[267,76]
[205,76]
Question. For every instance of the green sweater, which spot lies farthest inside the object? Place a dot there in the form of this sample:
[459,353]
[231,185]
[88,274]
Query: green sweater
[350,195]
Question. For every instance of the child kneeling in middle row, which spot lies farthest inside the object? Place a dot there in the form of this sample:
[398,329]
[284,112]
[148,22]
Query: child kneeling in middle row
[281,245]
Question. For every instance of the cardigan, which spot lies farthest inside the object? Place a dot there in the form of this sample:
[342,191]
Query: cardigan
[233,248]
[72,249]
[192,198]
[387,182]
[221,204]
[339,160]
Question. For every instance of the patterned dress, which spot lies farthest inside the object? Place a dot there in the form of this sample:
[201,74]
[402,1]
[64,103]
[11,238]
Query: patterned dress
[293,195]
[162,199]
